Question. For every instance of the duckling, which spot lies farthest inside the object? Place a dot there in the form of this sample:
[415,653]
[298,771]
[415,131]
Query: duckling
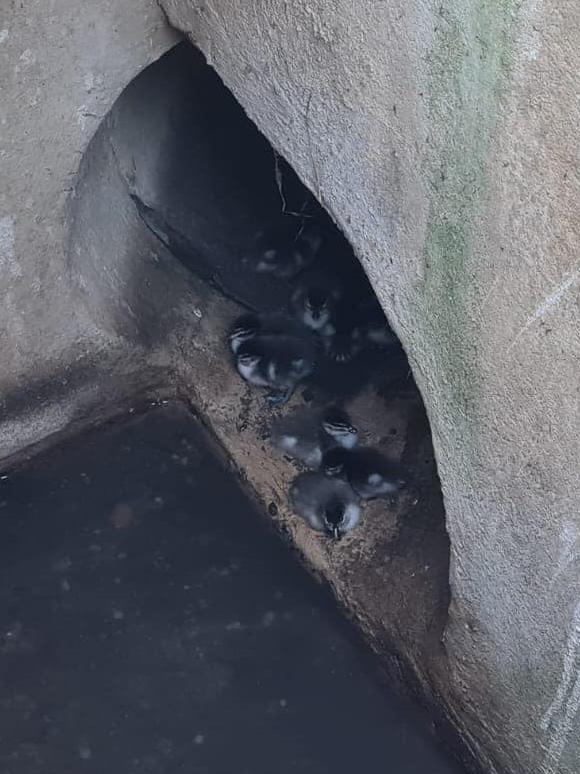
[340,345]
[278,363]
[243,329]
[284,249]
[249,326]
[315,300]
[338,429]
[305,435]
[343,347]
[327,504]
[367,471]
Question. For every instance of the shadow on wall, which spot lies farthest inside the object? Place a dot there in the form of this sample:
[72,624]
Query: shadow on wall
[177,152]
[171,190]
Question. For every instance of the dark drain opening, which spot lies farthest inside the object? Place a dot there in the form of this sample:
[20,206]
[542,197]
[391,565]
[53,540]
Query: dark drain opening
[178,171]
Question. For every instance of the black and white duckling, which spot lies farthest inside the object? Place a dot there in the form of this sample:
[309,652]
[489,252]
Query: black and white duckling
[314,301]
[249,326]
[338,429]
[341,345]
[243,329]
[367,471]
[278,363]
[306,435]
[328,505]
[284,249]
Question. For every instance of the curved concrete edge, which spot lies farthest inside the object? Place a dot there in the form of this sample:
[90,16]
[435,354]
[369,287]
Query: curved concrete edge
[62,71]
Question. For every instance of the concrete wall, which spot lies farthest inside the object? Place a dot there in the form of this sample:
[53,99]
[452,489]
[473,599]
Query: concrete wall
[61,70]
[442,138]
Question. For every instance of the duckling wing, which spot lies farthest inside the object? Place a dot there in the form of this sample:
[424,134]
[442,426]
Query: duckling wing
[306,499]
[318,489]
[371,474]
[297,435]
[308,490]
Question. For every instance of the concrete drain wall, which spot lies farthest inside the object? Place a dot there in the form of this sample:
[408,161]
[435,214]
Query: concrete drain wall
[441,139]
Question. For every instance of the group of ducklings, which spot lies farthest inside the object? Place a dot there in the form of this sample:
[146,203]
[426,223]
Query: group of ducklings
[276,352]
[329,292]
[341,475]
[331,316]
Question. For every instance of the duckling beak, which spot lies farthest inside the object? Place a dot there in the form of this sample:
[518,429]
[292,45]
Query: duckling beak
[336,533]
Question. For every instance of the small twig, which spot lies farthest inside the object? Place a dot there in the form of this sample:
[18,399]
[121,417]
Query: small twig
[279,181]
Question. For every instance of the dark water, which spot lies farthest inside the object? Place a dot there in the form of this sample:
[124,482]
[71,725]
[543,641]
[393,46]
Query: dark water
[150,623]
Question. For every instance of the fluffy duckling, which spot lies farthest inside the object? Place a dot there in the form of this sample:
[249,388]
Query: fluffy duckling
[341,346]
[338,429]
[284,249]
[307,435]
[328,505]
[242,330]
[314,301]
[278,363]
[367,471]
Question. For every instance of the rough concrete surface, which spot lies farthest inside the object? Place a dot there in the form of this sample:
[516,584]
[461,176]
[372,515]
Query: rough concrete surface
[443,140]
[62,69]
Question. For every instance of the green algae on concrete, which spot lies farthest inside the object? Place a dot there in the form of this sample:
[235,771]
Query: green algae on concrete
[469,66]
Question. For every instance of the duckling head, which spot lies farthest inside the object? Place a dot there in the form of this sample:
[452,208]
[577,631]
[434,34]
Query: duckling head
[333,518]
[317,308]
[340,517]
[244,329]
[336,423]
[248,364]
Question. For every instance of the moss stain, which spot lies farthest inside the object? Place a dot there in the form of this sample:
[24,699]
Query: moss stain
[469,66]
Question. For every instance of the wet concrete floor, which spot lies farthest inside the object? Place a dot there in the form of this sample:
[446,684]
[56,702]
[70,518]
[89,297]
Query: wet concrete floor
[150,622]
